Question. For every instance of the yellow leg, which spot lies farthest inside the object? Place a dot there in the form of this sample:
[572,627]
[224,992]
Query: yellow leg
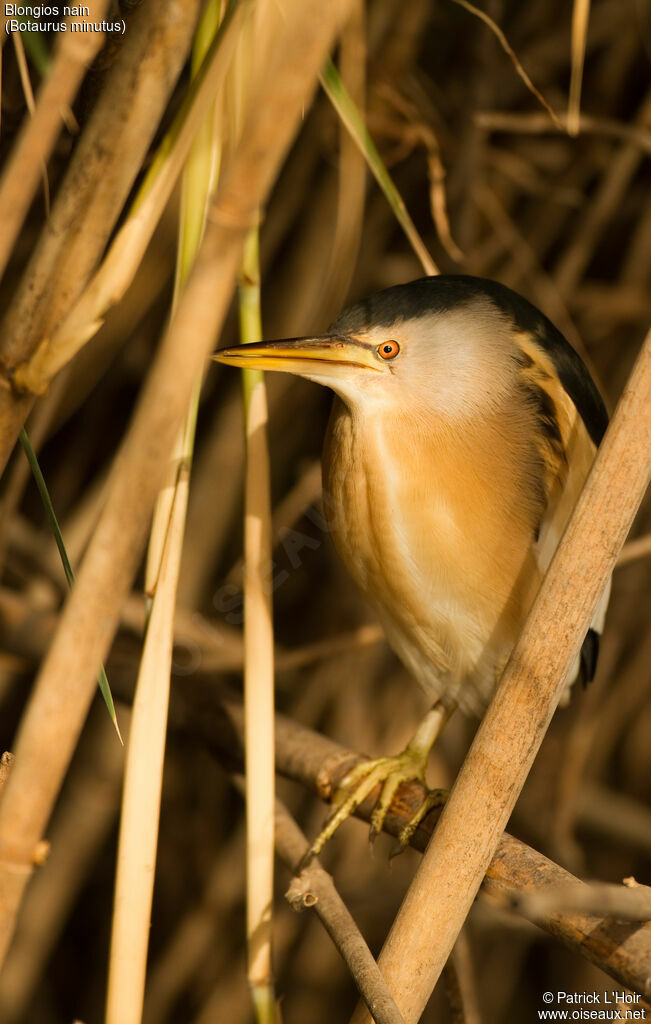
[391,771]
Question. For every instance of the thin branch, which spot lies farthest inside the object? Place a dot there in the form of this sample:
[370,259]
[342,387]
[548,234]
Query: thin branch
[638,548]
[314,888]
[537,124]
[510,52]
[624,903]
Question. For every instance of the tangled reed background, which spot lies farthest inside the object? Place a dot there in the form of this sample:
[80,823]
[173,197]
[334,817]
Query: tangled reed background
[495,189]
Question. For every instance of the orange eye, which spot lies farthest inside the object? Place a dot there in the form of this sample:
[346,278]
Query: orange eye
[388,349]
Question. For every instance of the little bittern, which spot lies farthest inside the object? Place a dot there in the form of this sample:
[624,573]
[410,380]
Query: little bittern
[462,431]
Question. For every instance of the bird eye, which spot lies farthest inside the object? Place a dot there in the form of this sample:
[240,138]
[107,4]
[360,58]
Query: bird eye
[388,349]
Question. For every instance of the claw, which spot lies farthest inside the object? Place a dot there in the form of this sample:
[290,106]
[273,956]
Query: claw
[390,772]
[434,798]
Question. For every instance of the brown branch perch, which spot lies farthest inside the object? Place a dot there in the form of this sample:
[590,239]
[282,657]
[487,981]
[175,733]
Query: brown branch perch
[621,950]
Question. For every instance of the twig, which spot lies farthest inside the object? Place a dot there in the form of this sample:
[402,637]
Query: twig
[535,124]
[510,52]
[617,901]
[314,887]
[508,739]
[638,548]
[460,983]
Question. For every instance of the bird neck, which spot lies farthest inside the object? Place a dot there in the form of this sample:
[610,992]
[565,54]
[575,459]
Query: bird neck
[409,487]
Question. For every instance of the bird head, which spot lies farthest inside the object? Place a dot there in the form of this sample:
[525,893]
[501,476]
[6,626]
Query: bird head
[448,346]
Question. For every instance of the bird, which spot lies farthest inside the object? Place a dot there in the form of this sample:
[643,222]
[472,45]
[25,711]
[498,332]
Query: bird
[462,430]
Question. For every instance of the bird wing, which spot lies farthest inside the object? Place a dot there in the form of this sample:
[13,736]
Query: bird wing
[571,421]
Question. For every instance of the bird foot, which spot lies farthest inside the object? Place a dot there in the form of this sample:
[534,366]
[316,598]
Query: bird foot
[362,780]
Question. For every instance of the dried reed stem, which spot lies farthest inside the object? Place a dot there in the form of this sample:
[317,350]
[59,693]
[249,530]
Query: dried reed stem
[508,739]
[258,656]
[73,55]
[125,254]
[145,757]
[90,199]
[580,15]
[65,685]
[80,827]
[143,782]
[259,779]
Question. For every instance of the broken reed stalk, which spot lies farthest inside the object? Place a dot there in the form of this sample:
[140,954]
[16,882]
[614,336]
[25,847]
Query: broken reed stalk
[51,724]
[74,53]
[90,199]
[488,785]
